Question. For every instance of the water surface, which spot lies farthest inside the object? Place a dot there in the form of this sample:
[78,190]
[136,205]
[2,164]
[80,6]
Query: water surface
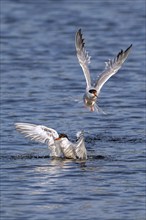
[42,83]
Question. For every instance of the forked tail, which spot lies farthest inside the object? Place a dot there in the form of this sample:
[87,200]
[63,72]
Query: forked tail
[99,110]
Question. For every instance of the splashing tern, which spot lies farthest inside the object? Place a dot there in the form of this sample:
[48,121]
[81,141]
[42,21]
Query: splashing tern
[58,144]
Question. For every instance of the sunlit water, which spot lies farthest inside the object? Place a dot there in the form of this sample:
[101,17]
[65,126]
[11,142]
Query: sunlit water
[42,83]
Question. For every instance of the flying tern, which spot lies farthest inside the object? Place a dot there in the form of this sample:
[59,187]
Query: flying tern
[112,66]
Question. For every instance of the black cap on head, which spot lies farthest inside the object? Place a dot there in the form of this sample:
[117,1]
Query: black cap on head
[63,136]
[93,91]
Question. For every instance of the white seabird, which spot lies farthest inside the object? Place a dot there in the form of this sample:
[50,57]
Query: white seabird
[58,144]
[112,66]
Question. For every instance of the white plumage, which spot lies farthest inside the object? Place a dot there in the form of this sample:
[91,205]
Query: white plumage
[112,66]
[58,144]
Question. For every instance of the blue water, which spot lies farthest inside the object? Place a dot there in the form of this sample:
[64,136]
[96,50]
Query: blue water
[42,83]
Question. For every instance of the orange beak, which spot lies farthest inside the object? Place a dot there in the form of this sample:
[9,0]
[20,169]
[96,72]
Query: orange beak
[95,94]
[57,139]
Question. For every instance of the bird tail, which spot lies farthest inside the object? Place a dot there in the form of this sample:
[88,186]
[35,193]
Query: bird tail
[79,134]
[80,147]
[99,110]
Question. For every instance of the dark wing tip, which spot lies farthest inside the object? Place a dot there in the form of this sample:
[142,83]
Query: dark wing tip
[122,53]
[119,54]
[79,39]
[80,33]
[80,30]
[128,48]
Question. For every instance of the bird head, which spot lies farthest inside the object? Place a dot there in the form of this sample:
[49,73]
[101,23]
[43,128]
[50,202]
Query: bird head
[93,92]
[61,137]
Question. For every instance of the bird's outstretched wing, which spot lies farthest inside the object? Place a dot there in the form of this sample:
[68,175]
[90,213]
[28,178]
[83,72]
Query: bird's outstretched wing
[83,57]
[80,148]
[37,133]
[112,66]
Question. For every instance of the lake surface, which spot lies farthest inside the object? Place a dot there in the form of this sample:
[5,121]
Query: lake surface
[42,83]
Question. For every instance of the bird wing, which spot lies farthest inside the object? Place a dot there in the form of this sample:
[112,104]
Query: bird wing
[83,57]
[112,66]
[37,133]
[80,148]
[55,148]
[67,149]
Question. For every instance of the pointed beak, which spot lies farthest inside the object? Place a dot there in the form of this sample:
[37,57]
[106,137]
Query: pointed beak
[57,139]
